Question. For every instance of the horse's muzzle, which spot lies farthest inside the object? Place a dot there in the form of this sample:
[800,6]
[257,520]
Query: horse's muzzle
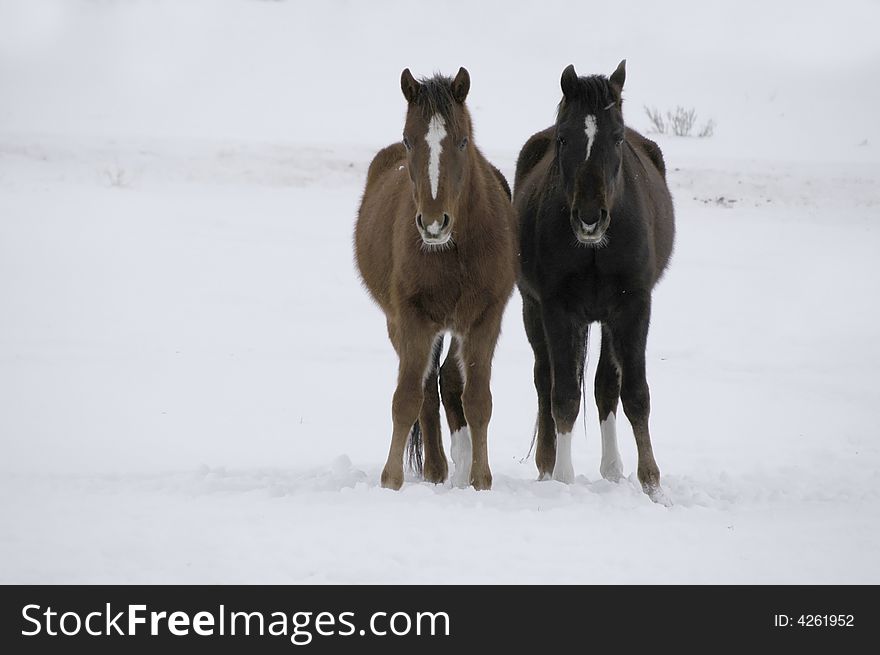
[435,232]
[590,232]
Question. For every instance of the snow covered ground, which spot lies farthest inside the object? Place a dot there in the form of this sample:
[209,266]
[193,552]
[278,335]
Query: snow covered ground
[195,387]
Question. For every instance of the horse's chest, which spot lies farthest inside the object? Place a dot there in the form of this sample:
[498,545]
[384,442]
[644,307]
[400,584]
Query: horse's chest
[452,297]
[594,292]
[434,294]
[437,304]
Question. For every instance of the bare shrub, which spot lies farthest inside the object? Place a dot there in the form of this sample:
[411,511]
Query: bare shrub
[117,177]
[658,125]
[707,130]
[680,122]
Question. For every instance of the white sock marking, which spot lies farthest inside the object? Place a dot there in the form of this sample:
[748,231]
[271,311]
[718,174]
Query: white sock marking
[591,129]
[563,470]
[462,457]
[436,134]
[611,467]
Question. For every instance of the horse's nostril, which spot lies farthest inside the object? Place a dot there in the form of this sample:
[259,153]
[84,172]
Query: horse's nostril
[603,214]
[583,221]
[419,221]
[445,221]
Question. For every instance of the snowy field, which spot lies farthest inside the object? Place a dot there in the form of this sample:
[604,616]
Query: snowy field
[194,387]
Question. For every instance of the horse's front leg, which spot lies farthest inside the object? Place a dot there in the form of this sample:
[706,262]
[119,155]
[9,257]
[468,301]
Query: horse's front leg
[629,330]
[566,341]
[477,351]
[413,340]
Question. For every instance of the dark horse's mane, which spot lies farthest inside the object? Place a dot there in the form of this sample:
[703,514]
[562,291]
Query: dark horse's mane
[435,97]
[595,91]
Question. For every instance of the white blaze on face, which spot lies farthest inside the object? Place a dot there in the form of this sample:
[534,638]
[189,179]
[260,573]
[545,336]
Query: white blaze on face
[590,128]
[436,134]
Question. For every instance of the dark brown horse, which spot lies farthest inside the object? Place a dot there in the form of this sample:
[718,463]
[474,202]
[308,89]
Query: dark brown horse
[596,231]
[435,243]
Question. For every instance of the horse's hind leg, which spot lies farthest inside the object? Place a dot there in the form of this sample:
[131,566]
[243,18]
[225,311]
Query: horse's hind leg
[435,468]
[413,341]
[545,452]
[607,392]
[630,335]
[451,389]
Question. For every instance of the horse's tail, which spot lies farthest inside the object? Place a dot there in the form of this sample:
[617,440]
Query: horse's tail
[534,439]
[584,363]
[414,449]
[414,445]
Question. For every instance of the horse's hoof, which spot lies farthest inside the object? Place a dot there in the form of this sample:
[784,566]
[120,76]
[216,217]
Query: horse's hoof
[657,495]
[564,474]
[461,477]
[436,473]
[392,480]
[482,482]
[611,471]
[649,476]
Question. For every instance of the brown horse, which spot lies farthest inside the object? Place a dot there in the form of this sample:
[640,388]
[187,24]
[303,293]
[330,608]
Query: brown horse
[436,246]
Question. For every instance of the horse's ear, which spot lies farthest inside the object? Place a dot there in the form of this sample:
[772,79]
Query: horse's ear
[569,81]
[409,85]
[618,77]
[461,85]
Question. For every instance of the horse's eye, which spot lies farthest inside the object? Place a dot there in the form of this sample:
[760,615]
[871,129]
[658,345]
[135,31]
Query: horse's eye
[619,142]
[560,140]
[463,144]
[406,144]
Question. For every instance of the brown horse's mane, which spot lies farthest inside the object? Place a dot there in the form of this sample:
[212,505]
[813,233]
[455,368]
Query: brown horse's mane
[435,97]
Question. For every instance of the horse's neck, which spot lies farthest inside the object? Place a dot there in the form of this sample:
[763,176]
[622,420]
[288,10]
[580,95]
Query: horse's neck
[619,184]
[473,194]
[636,163]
